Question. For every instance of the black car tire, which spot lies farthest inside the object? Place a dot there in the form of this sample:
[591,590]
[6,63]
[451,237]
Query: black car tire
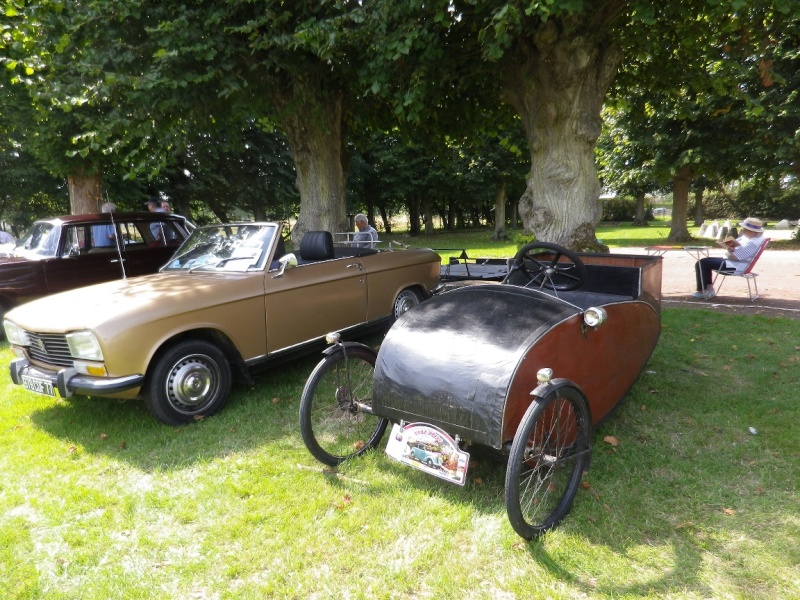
[549,454]
[333,426]
[191,380]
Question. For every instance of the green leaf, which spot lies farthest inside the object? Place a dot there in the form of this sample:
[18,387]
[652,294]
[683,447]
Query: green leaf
[63,42]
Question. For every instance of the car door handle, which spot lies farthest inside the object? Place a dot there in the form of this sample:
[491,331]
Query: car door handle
[358,266]
[116,260]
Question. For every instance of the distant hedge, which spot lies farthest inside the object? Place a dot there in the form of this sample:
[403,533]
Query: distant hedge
[623,208]
[767,202]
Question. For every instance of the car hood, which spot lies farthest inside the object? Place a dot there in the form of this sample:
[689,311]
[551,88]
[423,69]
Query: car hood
[130,301]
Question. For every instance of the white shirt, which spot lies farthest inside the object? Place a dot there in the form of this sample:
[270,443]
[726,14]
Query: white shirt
[744,253]
[365,238]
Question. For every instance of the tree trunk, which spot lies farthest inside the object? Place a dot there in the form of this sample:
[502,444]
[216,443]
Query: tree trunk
[413,216]
[370,213]
[427,205]
[679,232]
[440,210]
[461,219]
[85,192]
[557,81]
[312,121]
[513,219]
[698,207]
[387,224]
[639,219]
[259,214]
[500,213]
[451,215]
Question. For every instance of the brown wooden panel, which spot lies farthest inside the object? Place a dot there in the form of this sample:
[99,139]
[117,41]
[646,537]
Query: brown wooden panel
[604,362]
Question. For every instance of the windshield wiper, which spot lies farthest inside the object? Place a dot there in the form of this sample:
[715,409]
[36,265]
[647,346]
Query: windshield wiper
[222,262]
[225,261]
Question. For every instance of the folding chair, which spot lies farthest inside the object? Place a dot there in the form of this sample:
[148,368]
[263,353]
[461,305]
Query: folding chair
[747,274]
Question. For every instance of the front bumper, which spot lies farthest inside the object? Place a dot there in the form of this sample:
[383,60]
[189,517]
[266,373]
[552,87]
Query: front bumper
[68,382]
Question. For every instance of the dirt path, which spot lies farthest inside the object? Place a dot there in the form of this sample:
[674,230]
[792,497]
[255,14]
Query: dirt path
[778,284]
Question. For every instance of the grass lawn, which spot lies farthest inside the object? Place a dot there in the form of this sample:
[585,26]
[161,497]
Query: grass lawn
[98,500]
[617,235]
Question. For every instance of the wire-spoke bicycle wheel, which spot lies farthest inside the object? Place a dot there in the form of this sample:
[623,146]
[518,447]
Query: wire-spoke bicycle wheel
[550,451]
[335,418]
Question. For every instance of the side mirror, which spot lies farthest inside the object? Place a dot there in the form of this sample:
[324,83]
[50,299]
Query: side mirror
[288,261]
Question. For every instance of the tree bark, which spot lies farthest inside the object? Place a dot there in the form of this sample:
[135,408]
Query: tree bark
[85,192]
[513,219]
[698,207]
[387,223]
[679,232]
[640,219]
[427,208]
[311,115]
[500,213]
[556,82]
[451,215]
[413,216]
[259,214]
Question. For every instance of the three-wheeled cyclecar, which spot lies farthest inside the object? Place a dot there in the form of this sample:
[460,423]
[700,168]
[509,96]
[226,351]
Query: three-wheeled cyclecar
[526,366]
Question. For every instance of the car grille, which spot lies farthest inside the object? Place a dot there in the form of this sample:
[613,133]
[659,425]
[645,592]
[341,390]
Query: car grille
[50,348]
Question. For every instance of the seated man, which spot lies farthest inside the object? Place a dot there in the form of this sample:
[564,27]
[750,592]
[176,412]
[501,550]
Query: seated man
[741,252]
[366,236]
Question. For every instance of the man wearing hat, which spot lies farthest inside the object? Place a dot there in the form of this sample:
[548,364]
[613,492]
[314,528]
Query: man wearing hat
[743,250]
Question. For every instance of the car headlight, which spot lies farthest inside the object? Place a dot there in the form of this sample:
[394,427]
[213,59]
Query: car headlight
[84,345]
[16,336]
[594,316]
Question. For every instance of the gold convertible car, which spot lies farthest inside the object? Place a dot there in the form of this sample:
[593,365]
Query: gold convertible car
[225,304]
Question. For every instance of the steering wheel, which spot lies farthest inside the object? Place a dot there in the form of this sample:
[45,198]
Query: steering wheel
[542,263]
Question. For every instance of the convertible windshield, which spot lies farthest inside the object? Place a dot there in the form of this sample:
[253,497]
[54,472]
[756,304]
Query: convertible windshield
[240,247]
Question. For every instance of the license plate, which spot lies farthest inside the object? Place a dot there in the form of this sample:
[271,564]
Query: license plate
[38,386]
[429,449]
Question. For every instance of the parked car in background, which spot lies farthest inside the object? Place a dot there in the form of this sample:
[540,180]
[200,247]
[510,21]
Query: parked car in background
[228,302]
[73,251]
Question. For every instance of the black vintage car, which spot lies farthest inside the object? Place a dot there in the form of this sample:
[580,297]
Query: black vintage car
[525,366]
[73,251]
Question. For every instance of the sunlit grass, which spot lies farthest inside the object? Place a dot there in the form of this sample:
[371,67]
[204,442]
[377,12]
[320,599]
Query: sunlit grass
[98,500]
[478,242]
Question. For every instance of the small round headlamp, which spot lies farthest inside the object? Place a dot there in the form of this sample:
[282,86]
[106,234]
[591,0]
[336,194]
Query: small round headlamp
[594,316]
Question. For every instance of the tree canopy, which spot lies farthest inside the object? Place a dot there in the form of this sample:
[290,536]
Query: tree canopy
[205,98]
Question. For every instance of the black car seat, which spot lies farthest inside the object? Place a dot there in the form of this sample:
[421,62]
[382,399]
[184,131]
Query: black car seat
[316,245]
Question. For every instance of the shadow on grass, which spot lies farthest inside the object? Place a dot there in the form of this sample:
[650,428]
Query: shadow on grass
[252,416]
[125,430]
